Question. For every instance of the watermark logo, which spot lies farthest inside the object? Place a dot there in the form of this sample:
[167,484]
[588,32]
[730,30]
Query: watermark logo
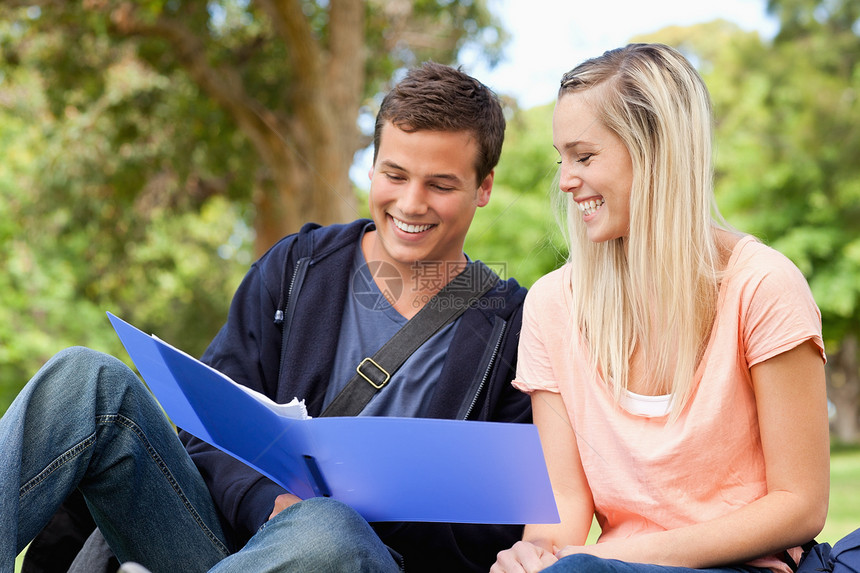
[377,285]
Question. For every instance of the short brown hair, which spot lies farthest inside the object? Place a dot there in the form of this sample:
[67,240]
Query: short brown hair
[436,97]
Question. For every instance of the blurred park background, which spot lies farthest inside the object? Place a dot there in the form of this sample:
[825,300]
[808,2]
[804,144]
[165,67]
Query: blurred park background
[152,149]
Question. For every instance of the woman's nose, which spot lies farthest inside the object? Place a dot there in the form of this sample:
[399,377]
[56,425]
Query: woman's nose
[569,179]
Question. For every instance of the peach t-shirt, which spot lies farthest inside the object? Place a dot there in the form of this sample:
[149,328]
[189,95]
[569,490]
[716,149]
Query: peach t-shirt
[647,475]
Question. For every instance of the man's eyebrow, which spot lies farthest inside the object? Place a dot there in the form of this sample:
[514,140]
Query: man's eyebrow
[447,176]
[391,165]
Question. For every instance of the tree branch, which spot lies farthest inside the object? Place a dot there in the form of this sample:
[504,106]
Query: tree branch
[223,84]
[291,24]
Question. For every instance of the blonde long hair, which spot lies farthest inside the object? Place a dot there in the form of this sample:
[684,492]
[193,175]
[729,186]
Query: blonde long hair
[656,288]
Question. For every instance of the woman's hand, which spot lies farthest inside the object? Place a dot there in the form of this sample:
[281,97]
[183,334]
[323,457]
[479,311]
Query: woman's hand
[570,488]
[523,557]
[602,550]
[282,502]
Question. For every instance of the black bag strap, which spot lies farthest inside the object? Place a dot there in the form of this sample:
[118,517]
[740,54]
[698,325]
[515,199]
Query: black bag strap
[373,373]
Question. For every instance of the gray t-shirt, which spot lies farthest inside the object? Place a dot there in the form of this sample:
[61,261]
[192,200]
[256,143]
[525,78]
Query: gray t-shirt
[369,321]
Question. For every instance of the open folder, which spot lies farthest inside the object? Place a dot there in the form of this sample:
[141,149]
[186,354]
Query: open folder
[388,469]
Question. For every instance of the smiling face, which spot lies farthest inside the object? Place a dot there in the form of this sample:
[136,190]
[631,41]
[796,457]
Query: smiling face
[596,168]
[423,196]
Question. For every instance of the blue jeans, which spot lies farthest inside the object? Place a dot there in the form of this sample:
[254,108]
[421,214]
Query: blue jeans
[86,421]
[582,563]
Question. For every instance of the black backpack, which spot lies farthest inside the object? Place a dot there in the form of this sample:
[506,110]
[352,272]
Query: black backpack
[843,557]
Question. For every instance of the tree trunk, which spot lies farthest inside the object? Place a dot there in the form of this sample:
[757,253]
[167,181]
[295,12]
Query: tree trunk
[294,191]
[310,154]
[843,389]
[306,155]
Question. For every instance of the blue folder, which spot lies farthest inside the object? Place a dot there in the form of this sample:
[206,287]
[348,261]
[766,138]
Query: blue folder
[388,469]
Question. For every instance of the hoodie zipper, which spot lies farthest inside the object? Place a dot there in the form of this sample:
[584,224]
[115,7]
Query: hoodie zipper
[490,364]
[295,284]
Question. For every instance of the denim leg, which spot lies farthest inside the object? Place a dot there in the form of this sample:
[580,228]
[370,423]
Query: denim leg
[582,563]
[85,420]
[317,535]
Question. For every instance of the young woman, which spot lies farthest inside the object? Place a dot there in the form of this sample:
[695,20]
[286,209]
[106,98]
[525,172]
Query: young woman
[676,367]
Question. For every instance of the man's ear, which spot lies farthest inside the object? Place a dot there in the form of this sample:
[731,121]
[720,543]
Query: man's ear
[483,195]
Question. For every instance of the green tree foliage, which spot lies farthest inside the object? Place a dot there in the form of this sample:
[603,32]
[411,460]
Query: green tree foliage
[263,95]
[72,248]
[152,149]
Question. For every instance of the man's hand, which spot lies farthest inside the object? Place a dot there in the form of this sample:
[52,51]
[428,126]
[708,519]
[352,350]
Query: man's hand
[282,502]
[523,557]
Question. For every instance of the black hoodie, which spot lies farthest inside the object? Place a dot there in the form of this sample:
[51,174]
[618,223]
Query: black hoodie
[280,338]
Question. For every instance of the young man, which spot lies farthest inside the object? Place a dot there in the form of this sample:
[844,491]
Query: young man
[307,313]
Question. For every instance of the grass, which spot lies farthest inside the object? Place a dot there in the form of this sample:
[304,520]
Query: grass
[844,515]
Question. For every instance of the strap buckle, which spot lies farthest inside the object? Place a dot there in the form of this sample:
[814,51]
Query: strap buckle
[370,381]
